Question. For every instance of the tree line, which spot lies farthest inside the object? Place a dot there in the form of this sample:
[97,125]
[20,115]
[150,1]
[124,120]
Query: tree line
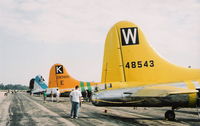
[13,87]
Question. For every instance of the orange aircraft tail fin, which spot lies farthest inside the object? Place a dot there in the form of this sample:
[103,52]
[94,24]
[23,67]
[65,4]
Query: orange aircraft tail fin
[59,78]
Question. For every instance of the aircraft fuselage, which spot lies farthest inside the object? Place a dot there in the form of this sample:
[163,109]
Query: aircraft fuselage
[133,98]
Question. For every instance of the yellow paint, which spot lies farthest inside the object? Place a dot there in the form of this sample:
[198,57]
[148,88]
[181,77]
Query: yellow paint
[98,100]
[116,56]
[162,91]
[192,97]
[155,70]
[112,65]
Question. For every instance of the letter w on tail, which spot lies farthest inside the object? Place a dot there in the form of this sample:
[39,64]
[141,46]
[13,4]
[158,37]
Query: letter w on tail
[129,36]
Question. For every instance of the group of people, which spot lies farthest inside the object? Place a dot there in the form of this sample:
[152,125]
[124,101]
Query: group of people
[75,99]
[87,95]
[52,95]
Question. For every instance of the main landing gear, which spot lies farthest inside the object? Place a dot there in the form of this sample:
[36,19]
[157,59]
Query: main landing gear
[170,115]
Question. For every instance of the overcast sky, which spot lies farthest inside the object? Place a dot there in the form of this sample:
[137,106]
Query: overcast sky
[35,34]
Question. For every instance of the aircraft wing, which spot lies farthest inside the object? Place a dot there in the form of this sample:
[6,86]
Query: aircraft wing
[160,91]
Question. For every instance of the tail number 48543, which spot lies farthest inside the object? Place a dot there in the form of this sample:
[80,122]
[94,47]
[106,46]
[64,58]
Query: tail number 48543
[140,64]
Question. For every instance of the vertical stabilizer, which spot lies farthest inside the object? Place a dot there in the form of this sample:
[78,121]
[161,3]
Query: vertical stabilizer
[59,78]
[38,84]
[129,57]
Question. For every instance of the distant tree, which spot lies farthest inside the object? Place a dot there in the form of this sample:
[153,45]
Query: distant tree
[13,87]
[1,86]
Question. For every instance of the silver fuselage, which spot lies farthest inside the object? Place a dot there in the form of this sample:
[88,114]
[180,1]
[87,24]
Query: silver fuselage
[122,97]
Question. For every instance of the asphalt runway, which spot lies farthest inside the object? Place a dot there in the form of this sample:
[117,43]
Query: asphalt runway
[21,109]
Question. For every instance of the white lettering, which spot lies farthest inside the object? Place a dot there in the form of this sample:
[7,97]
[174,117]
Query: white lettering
[129,36]
[58,69]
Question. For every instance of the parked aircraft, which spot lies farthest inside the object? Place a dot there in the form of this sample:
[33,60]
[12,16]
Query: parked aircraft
[59,78]
[135,75]
[37,85]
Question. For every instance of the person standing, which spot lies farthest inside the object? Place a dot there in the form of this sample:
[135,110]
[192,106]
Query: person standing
[57,95]
[75,98]
[51,95]
[44,95]
[89,95]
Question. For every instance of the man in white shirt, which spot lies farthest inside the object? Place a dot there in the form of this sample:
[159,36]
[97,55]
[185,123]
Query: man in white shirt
[75,98]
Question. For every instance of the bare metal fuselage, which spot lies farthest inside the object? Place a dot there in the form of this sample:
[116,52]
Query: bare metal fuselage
[123,97]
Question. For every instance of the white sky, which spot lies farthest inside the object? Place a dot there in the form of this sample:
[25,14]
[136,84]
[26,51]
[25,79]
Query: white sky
[35,34]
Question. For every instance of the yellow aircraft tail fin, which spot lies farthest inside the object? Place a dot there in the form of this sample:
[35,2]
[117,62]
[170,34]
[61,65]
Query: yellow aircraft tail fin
[129,57]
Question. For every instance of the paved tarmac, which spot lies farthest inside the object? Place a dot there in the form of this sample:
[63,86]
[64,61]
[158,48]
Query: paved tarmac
[21,109]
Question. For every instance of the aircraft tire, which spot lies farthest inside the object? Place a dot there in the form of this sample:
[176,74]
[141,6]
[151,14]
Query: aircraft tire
[170,115]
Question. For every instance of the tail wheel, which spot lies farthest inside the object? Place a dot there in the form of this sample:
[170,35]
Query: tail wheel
[170,115]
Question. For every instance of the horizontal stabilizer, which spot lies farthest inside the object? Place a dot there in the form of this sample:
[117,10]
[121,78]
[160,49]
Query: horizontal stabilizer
[184,92]
[161,91]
